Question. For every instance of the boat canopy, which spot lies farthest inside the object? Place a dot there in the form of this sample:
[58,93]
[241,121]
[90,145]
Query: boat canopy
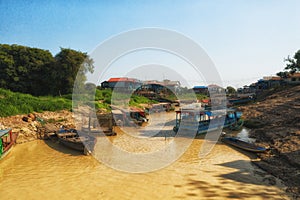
[4,132]
[208,112]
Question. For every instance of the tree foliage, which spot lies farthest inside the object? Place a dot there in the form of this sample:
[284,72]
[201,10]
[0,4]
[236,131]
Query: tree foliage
[36,71]
[230,90]
[292,65]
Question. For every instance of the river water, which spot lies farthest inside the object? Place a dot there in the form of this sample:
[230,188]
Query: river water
[47,170]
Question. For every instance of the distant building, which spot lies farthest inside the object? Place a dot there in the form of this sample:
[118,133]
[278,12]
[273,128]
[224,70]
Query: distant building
[122,83]
[213,88]
[262,84]
[273,81]
[201,90]
[217,95]
[293,78]
[158,86]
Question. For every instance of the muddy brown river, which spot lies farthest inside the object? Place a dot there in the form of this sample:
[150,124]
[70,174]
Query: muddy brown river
[47,170]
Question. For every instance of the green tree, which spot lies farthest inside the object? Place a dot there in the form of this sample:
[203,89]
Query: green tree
[69,65]
[24,69]
[292,65]
[36,71]
[230,90]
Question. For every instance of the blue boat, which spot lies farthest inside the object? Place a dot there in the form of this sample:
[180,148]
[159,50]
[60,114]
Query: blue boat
[243,145]
[204,120]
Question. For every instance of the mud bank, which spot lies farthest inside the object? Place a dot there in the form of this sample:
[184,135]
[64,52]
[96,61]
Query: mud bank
[275,122]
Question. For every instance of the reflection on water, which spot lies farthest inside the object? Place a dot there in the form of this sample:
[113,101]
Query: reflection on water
[244,135]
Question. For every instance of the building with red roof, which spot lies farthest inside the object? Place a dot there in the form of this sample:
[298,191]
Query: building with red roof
[122,83]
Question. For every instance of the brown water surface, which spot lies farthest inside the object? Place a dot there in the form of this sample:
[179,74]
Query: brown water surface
[39,170]
[47,170]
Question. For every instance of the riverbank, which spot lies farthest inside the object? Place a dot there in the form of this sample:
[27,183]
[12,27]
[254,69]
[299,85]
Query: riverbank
[275,122]
[34,129]
[236,168]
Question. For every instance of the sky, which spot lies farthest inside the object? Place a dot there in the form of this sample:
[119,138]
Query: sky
[245,40]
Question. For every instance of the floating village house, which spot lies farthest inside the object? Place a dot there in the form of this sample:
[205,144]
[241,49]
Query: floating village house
[122,83]
[293,79]
[201,90]
[159,86]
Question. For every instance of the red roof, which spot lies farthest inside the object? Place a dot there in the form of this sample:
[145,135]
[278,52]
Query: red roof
[123,79]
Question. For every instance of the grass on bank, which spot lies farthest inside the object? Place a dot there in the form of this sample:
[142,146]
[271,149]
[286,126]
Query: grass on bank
[14,103]
[104,98]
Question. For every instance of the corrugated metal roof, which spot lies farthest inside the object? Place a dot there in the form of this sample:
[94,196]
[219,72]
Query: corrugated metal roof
[200,87]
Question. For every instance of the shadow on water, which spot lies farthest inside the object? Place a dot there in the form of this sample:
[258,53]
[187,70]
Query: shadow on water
[243,175]
[59,147]
[210,190]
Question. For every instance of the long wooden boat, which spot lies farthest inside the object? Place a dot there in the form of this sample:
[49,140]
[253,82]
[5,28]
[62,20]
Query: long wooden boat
[71,139]
[236,101]
[243,145]
[205,120]
[7,140]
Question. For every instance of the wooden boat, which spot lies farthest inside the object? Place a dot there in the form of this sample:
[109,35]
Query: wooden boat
[7,140]
[70,138]
[130,116]
[243,145]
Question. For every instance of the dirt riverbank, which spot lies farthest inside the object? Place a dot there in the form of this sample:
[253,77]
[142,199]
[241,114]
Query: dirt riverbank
[32,130]
[275,122]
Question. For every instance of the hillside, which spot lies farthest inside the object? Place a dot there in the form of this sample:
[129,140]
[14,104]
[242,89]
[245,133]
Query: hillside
[276,122]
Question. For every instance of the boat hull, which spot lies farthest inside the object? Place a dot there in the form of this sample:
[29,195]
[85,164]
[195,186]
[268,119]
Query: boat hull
[243,145]
[9,146]
[81,144]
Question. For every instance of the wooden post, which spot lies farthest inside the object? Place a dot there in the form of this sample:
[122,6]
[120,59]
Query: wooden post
[89,122]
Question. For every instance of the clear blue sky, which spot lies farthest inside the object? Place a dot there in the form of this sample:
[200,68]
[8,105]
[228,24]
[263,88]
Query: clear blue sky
[245,39]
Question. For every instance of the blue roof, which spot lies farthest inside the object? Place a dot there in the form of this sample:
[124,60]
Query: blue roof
[200,87]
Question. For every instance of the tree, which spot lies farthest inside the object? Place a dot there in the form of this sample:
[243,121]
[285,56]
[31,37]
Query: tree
[36,71]
[24,69]
[230,90]
[283,74]
[69,65]
[292,66]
